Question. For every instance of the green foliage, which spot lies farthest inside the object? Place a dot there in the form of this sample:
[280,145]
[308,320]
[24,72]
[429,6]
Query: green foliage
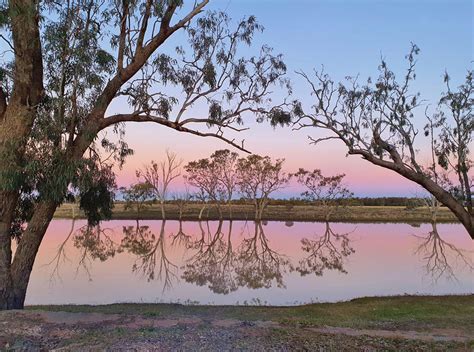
[83,50]
[97,195]
[376,120]
[4,17]
[259,176]
[138,196]
[322,188]
[95,244]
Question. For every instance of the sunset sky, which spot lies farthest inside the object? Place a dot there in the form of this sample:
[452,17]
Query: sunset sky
[348,38]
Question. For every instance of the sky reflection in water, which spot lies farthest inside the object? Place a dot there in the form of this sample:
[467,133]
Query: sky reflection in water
[227,263]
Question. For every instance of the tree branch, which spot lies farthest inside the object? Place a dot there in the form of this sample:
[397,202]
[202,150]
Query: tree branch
[114,119]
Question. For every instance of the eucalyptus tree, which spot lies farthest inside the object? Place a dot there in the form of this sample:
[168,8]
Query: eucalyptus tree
[328,251]
[137,197]
[377,121]
[182,200]
[66,67]
[201,174]
[258,177]
[328,192]
[159,177]
[226,164]
[215,177]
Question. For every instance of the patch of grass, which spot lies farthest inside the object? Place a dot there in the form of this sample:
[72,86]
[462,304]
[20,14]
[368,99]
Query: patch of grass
[399,312]
[297,339]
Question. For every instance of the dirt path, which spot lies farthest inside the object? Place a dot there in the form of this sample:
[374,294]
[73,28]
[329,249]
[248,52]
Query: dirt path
[63,331]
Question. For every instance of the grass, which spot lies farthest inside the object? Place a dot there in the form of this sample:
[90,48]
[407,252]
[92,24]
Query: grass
[288,212]
[418,323]
[392,313]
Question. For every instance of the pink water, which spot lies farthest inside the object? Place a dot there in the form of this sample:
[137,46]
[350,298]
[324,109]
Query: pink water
[255,266]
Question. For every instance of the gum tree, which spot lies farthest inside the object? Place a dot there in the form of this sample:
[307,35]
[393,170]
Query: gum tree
[138,197]
[202,175]
[215,177]
[329,250]
[226,162]
[376,121]
[258,177]
[328,192]
[66,64]
[160,176]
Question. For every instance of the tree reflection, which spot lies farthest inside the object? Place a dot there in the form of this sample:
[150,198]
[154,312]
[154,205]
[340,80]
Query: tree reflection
[259,265]
[326,252]
[213,263]
[95,243]
[214,257]
[441,257]
[180,238]
[60,256]
[252,264]
[152,259]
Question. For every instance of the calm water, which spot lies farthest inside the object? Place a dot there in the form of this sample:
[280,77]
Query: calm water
[228,263]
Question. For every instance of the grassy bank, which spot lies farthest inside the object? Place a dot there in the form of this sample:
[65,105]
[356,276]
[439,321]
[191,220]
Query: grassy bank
[397,312]
[279,213]
[405,323]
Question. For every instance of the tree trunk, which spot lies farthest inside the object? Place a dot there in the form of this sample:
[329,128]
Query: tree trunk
[261,205]
[219,211]
[18,273]
[202,210]
[15,125]
[230,210]
[163,214]
[443,196]
[7,207]
[5,258]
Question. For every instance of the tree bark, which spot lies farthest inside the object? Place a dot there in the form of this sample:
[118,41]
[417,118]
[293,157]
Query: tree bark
[25,254]
[6,214]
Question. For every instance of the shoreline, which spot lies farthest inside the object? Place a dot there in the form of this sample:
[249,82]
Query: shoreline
[285,213]
[115,306]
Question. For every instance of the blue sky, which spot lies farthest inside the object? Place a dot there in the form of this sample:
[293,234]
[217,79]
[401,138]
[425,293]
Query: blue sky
[347,37]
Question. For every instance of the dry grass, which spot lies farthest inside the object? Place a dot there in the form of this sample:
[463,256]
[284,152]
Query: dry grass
[279,213]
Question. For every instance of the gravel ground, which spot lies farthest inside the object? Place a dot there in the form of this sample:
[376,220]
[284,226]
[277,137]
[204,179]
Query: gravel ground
[65,331]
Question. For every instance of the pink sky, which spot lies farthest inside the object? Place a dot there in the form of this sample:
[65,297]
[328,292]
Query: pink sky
[347,38]
[150,142]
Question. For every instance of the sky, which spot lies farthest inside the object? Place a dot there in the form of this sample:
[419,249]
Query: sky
[348,38]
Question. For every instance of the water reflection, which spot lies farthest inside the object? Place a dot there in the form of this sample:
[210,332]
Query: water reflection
[326,252]
[258,264]
[227,257]
[441,258]
[150,250]
[93,243]
[214,261]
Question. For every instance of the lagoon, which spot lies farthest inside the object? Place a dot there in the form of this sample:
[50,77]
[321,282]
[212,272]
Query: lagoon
[241,262]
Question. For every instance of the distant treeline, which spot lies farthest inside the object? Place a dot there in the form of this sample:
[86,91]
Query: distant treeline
[355,201]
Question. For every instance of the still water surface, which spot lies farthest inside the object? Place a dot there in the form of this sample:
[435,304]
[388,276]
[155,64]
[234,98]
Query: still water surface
[276,263]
